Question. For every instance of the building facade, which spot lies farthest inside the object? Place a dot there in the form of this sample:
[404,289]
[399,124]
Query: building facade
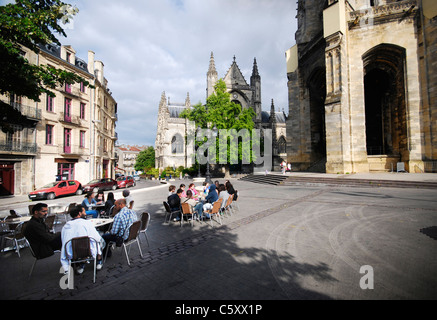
[126,158]
[361,86]
[70,136]
[171,147]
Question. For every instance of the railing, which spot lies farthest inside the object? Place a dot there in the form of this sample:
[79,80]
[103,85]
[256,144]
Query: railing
[72,150]
[27,111]
[23,147]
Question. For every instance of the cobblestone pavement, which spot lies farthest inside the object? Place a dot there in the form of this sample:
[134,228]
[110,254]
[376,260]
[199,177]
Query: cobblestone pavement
[284,243]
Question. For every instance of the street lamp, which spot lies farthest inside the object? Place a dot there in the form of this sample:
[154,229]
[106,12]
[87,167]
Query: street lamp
[208,175]
[198,163]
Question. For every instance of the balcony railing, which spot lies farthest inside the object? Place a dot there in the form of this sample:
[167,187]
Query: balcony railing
[21,147]
[27,111]
[73,150]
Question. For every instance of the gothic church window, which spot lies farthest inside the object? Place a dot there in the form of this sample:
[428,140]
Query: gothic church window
[177,144]
[282,145]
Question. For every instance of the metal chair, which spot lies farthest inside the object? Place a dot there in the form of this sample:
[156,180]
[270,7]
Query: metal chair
[66,212]
[50,222]
[169,212]
[81,252]
[187,211]
[228,205]
[134,232]
[215,211]
[234,201]
[145,221]
[16,236]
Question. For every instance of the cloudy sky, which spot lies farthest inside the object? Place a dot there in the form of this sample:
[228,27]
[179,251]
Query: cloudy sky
[151,46]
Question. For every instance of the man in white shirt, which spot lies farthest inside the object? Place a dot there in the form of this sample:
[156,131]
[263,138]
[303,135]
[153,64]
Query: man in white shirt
[79,227]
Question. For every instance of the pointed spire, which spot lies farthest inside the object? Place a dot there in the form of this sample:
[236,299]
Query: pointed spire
[187,101]
[272,113]
[211,69]
[255,68]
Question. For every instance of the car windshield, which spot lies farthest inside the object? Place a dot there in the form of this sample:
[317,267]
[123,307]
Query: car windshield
[51,184]
[121,179]
[94,181]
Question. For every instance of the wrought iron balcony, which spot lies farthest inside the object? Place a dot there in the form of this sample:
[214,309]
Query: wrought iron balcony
[18,147]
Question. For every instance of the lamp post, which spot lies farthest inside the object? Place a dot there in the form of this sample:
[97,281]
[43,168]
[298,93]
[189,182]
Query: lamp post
[208,175]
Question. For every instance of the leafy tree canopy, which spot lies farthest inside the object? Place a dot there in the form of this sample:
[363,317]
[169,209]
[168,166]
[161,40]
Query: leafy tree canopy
[30,23]
[145,159]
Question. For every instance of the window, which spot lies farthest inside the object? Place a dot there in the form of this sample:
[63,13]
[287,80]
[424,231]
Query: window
[68,88]
[82,110]
[68,56]
[67,110]
[82,139]
[82,87]
[49,134]
[177,144]
[282,145]
[50,103]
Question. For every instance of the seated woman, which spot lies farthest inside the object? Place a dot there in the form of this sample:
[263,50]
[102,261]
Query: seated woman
[88,203]
[195,193]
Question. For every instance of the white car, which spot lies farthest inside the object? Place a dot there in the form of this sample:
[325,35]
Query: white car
[136,177]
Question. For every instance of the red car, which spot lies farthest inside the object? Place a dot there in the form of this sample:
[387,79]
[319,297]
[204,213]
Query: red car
[56,189]
[100,184]
[125,182]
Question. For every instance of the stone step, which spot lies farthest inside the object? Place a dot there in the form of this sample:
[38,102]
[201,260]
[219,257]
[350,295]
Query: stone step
[359,182]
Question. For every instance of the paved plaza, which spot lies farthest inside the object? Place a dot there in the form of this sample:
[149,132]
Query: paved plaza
[284,243]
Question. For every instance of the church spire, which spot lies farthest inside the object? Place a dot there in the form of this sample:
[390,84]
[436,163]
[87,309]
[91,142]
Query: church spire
[211,77]
[255,68]
[212,71]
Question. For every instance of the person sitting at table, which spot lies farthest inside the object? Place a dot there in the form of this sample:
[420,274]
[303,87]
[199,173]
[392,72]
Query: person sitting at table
[129,199]
[100,196]
[195,193]
[209,200]
[79,227]
[190,200]
[43,242]
[184,194]
[88,204]
[223,194]
[110,201]
[174,201]
[120,226]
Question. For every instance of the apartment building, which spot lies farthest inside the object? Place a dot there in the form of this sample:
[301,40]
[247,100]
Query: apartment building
[70,136]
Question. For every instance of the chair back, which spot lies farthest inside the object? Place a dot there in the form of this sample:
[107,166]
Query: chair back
[186,208]
[111,211]
[216,206]
[134,229]
[30,208]
[166,206]
[50,220]
[145,220]
[81,248]
[229,201]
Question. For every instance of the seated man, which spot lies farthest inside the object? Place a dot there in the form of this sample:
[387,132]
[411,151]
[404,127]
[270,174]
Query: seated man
[209,200]
[120,226]
[43,242]
[174,201]
[79,227]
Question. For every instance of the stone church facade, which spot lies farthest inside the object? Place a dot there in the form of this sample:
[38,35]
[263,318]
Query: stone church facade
[362,86]
[171,147]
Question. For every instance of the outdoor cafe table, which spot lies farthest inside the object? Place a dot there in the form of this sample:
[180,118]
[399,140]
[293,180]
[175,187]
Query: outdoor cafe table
[98,222]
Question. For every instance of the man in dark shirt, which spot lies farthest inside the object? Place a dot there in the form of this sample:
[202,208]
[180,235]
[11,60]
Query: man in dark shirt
[174,201]
[43,242]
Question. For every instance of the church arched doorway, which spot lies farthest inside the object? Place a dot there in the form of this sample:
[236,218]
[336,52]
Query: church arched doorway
[385,106]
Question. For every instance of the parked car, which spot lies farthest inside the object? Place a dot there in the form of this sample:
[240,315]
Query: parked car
[136,177]
[125,182]
[100,184]
[56,189]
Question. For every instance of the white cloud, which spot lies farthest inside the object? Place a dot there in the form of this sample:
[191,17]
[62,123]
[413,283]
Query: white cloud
[152,46]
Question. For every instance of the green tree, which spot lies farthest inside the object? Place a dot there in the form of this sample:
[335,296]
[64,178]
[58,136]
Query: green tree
[30,23]
[145,160]
[223,113]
